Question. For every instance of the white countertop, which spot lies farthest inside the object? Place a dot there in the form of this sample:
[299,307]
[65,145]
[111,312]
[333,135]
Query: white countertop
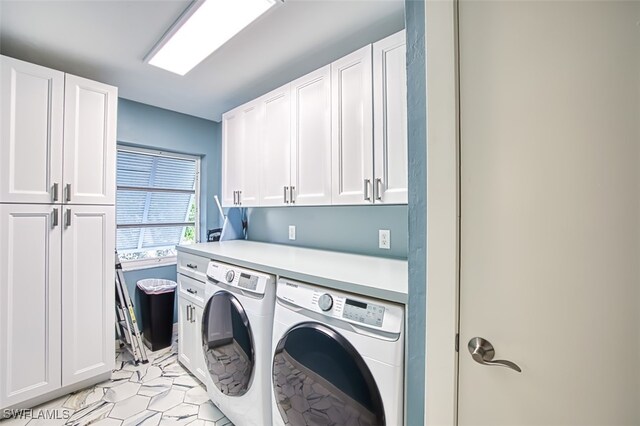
[377,277]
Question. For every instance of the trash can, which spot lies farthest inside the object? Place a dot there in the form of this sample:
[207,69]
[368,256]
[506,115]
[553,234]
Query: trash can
[156,304]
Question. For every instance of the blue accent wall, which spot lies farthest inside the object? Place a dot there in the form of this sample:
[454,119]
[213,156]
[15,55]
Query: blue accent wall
[417,126]
[351,229]
[150,127]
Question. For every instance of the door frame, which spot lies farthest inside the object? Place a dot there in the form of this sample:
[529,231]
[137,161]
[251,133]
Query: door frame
[442,211]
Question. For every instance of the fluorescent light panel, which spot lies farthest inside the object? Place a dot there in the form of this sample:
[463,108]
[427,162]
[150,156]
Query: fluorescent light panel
[212,24]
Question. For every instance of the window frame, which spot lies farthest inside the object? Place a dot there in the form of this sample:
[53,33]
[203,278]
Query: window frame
[137,264]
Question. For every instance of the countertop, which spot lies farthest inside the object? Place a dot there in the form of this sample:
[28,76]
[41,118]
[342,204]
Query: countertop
[378,277]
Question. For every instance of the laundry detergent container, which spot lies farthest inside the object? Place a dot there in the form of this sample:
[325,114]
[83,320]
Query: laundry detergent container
[156,305]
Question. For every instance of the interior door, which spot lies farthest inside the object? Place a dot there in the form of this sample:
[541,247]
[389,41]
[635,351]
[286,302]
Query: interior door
[550,164]
[88,292]
[31,112]
[352,128]
[89,142]
[29,301]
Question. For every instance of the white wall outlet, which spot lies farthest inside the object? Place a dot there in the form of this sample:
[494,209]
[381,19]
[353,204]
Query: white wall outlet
[384,239]
[292,232]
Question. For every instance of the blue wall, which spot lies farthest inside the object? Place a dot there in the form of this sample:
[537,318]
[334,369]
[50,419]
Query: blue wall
[155,128]
[417,126]
[352,229]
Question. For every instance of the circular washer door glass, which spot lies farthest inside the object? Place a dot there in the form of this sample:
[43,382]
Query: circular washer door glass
[227,343]
[320,379]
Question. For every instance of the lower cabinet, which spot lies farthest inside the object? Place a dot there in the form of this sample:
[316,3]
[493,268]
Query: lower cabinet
[56,297]
[190,353]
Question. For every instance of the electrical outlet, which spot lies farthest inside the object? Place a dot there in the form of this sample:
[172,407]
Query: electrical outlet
[384,239]
[292,232]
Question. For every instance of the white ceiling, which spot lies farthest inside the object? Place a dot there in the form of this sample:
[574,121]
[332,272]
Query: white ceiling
[106,40]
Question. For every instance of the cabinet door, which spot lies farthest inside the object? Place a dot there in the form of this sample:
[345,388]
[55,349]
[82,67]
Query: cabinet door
[252,119]
[275,149]
[89,142]
[88,299]
[311,138]
[200,369]
[186,334]
[390,119]
[352,128]
[232,151]
[29,302]
[31,112]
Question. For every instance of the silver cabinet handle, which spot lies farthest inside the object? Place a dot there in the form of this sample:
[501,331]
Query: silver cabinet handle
[54,220]
[482,352]
[67,218]
[188,312]
[189,290]
[192,266]
[378,189]
[367,185]
[286,190]
[54,192]
[67,189]
[234,197]
[292,194]
[239,198]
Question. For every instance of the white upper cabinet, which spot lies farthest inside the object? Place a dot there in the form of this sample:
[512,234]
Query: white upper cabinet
[89,142]
[252,123]
[311,138]
[390,119]
[30,332]
[232,153]
[275,148]
[88,292]
[31,114]
[352,124]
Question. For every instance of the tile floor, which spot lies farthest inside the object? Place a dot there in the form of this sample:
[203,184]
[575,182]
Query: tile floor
[161,392]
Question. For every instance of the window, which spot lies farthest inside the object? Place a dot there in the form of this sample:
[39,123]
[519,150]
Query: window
[156,205]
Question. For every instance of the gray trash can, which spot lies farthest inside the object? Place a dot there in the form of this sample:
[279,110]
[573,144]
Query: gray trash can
[156,305]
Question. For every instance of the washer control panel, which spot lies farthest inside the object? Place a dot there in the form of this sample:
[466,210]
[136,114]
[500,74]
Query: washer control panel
[361,310]
[244,279]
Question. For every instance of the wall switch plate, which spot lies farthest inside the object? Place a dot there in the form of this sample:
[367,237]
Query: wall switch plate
[292,232]
[384,239]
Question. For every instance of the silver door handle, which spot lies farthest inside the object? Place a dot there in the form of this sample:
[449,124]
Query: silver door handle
[67,218]
[482,352]
[54,221]
[54,191]
[367,185]
[378,189]
[68,192]
[292,194]
[286,190]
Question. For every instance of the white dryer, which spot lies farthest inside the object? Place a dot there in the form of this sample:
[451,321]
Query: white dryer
[338,358]
[236,340]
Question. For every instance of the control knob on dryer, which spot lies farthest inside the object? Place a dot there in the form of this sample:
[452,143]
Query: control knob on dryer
[230,275]
[325,302]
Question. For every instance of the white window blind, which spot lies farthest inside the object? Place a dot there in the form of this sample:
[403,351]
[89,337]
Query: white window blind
[156,203]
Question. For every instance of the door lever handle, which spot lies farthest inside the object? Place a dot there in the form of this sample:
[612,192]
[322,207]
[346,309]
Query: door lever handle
[482,352]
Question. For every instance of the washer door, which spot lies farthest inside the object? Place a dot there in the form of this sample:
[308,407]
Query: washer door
[227,342]
[320,379]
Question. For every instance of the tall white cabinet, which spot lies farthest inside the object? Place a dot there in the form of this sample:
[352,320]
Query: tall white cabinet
[57,231]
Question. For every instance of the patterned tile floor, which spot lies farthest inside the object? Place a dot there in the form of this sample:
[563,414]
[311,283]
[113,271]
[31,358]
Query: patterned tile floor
[161,392]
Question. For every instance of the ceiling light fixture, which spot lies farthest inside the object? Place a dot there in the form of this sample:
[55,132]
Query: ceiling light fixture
[203,27]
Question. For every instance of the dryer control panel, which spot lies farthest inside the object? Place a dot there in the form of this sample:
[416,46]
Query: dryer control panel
[234,276]
[361,310]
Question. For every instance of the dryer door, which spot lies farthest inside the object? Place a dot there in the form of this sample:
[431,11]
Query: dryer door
[227,342]
[320,379]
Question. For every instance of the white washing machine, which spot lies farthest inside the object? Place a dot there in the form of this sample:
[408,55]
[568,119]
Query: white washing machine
[236,339]
[338,358]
